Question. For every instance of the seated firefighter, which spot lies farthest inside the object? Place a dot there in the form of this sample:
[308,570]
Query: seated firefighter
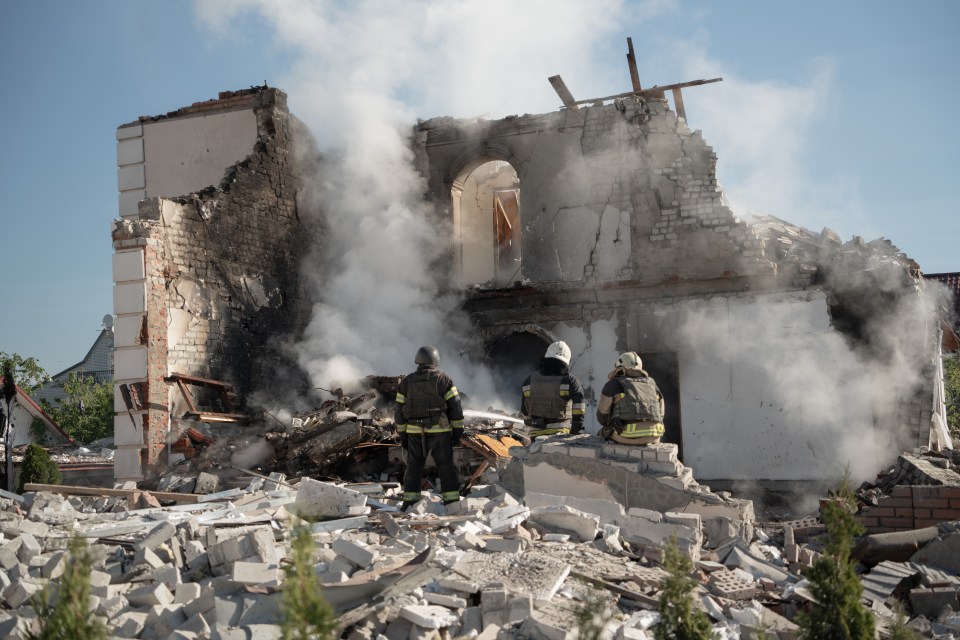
[552,399]
[429,419]
[631,406]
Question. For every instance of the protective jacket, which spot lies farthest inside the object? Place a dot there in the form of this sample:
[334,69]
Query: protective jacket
[631,403]
[428,402]
[429,418]
[552,400]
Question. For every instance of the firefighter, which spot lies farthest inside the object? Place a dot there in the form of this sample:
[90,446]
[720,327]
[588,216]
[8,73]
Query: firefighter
[631,406]
[552,399]
[430,421]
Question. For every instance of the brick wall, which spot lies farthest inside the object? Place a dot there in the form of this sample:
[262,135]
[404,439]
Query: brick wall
[222,265]
[912,507]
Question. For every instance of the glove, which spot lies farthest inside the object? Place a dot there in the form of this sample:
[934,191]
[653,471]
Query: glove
[457,435]
[403,439]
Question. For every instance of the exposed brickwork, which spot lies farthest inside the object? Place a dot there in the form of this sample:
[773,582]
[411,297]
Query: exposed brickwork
[222,270]
[912,507]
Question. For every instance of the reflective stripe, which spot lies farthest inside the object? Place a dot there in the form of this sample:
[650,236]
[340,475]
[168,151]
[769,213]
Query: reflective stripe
[411,496]
[413,428]
[564,393]
[451,394]
[401,398]
[401,428]
[450,496]
[579,408]
[643,430]
[456,424]
[526,392]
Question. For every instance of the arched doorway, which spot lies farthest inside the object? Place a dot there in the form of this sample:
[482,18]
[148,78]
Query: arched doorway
[512,359]
[486,222]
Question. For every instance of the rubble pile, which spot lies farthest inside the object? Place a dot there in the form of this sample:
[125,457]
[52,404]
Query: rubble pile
[500,563]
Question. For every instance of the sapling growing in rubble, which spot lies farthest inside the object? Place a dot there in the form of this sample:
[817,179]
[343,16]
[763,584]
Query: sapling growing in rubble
[679,619]
[306,615]
[69,615]
[838,613]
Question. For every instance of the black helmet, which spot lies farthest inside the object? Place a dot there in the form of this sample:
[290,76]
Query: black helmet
[428,355]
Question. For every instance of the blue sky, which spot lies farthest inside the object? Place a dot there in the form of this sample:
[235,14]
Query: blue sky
[832,114]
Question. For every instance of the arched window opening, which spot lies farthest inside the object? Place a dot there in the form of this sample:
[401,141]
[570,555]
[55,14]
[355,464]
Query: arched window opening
[487,225]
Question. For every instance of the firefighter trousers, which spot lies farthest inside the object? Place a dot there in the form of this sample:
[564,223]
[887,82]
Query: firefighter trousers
[440,445]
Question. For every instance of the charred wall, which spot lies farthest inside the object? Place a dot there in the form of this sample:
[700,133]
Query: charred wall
[221,270]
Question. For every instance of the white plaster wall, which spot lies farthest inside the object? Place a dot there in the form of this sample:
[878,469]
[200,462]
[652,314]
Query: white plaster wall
[183,155]
[594,350]
[755,387]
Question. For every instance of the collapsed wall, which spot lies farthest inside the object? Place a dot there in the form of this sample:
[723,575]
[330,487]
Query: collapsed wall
[783,354]
[206,271]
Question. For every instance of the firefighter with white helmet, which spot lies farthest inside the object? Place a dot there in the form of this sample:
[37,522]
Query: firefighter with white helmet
[429,420]
[631,406]
[552,399]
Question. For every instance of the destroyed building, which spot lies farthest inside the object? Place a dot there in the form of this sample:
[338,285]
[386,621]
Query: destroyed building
[782,353]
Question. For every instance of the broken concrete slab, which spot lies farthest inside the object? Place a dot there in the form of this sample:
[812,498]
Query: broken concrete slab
[563,519]
[317,499]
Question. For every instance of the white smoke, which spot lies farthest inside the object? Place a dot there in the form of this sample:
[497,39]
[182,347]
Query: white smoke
[363,72]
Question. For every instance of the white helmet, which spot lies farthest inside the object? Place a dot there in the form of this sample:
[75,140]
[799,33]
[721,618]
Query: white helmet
[560,351]
[629,360]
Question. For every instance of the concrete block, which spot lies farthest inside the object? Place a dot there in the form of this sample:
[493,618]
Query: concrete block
[355,553]
[494,599]
[556,537]
[29,546]
[429,616]
[931,602]
[147,557]
[541,627]
[129,151]
[131,177]
[322,499]
[520,607]
[468,540]
[566,520]
[502,545]
[444,600]
[20,592]
[504,518]
[157,536]
[162,619]
[459,584]
[54,567]
[471,622]
[206,483]
[34,528]
[691,520]
[128,266]
[168,575]
[130,364]
[259,573]
[150,595]
[110,608]
[130,624]
[727,585]
[202,603]
[262,609]
[9,554]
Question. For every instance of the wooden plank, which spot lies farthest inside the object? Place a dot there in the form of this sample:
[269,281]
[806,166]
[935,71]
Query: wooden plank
[678,104]
[186,395]
[632,64]
[641,598]
[565,96]
[70,490]
[652,91]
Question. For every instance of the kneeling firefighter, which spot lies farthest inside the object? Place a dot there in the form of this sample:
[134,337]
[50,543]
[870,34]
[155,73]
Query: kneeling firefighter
[631,406]
[551,398]
[429,420]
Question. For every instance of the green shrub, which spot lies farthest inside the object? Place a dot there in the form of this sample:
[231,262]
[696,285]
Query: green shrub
[70,616]
[306,615]
[838,613]
[679,620]
[37,467]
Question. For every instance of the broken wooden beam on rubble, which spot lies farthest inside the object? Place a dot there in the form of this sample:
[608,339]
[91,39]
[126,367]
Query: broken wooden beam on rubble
[70,490]
[339,440]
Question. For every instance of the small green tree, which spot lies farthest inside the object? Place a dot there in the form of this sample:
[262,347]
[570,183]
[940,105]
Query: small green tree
[899,629]
[679,620]
[38,467]
[838,613]
[28,373]
[591,615]
[70,616]
[306,615]
[951,385]
[87,412]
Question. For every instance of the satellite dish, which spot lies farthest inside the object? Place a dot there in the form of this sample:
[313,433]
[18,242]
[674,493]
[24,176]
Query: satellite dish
[108,322]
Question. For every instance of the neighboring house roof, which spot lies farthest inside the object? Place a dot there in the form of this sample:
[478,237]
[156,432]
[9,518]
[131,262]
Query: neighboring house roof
[98,363]
[952,282]
[34,409]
